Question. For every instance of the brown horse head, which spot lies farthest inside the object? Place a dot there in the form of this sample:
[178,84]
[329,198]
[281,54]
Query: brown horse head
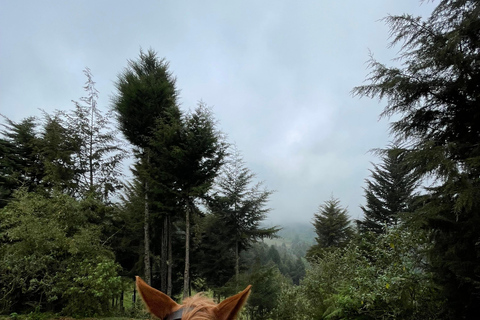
[193,308]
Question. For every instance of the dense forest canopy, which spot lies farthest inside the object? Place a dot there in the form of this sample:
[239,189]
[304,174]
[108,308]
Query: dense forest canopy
[190,215]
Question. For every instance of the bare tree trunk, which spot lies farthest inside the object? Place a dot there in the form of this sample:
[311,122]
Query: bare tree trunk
[90,147]
[146,231]
[170,257]
[122,309]
[186,274]
[134,296]
[237,263]
[164,258]
[237,258]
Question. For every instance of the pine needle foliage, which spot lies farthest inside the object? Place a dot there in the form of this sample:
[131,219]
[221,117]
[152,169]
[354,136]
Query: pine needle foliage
[99,151]
[435,92]
[389,192]
[332,224]
[146,92]
[241,205]
[20,165]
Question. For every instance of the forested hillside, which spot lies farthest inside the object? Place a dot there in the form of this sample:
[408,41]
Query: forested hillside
[189,214]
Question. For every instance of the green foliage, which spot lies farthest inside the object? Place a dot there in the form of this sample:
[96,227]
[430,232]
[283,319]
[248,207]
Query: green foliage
[266,283]
[374,277]
[389,193]
[146,89]
[291,304]
[149,117]
[241,203]
[390,279]
[214,259]
[164,165]
[126,241]
[51,254]
[20,164]
[57,149]
[99,152]
[89,286]
[238,207]
[291,266]
[72,152]
[332,227]
[200,154]
[435,92]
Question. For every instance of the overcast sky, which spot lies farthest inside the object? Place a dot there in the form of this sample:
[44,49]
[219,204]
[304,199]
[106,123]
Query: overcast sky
[278,75]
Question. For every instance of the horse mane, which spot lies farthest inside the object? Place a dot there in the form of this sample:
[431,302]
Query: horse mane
[199,307]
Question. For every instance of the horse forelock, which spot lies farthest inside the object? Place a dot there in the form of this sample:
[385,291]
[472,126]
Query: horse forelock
[199,308]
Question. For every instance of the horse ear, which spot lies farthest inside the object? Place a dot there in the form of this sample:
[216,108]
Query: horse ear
[158,303]
[230,307]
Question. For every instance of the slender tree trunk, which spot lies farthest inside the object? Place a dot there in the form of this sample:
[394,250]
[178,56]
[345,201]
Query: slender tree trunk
[164,258]
[170,257]
[186,274]
[237,263]
[90,151]
[146,230]
[146,233]
[237,259]
[122,309]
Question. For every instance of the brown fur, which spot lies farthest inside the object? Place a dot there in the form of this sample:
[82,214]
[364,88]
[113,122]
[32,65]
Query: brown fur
[201,308]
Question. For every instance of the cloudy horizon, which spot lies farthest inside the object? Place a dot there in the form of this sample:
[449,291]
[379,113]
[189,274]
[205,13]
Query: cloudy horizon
[277,74]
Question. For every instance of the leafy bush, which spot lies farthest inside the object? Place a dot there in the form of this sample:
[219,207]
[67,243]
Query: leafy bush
[90,287]
[374,277]
[291,303]
[266,284]
[52,258]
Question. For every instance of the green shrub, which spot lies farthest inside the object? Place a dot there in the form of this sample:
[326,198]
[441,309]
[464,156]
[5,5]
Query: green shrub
[374,277]
[52,258]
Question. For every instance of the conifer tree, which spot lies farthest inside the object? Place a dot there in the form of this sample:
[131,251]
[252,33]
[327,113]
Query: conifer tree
[99,150]
[332,227]
[20,164]
[436,94]
[164,168]
[146,92]
[389,192]
[200,157]
[242,205]
[214,257]
[57,150]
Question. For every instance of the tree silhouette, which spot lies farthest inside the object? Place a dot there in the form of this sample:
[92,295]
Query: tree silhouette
[435,93]
[389,192]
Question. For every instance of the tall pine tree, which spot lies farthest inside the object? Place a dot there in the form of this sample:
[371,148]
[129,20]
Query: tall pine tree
[200,157]
[20,163]
[99,152]
[58,146]
[242,206]
[332,227]
[436,93]
[146,93]
[389,192]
